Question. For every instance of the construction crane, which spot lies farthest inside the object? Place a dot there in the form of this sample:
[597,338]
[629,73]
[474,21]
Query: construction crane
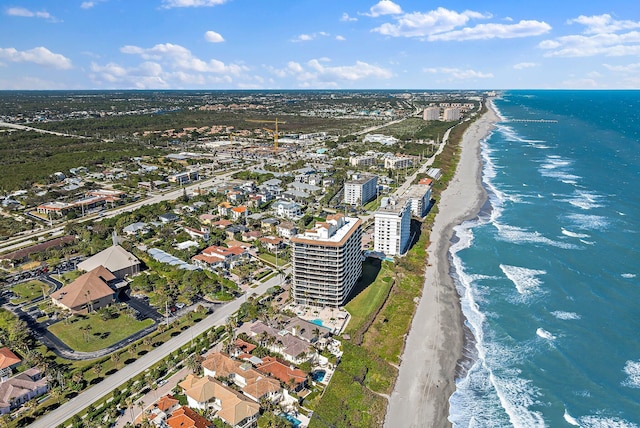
[275,132]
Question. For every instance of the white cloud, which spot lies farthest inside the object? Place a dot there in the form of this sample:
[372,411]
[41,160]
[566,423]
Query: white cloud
[346,18]
[340,38]
[313,36]
[458,74]
[26,13]
[418,24]
[384,7]
[39,55]
[602,35]
[87,4]
[317,73]
[523,65]
[629,68]
[169,4]
[213,37]
[603,24]
[525,28]
[179,57]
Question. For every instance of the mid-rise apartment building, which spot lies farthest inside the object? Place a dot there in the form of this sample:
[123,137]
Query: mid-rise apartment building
[360,189]
[362,160]
[392,226]
[431,113]
[419,197]
[327,261]
[451,114]
[397,162]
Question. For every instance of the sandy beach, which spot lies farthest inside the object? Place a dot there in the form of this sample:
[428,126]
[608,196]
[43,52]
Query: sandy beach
[435,342]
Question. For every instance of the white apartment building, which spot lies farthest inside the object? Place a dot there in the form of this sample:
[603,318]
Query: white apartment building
[360,189]
[419,197]
[431,113]
[451,114]
[362,160]
[397,162]
[327,261]
[392,226]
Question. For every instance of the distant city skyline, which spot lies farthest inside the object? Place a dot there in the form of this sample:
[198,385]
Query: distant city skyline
[242,44]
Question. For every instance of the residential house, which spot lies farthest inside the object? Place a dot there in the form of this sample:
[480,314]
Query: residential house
[251,235]
[239,213]
[184,417]
[232,407]
[206,218]
[202,233]
[224,208]
[268,225]
[168,218]
[251,382]
[8,362]
[217,256]
[292,348]
[16,391]
[136,228]
[287,209]
[161,410]
[272,243]
[293,377]
[222,223]
[286,230]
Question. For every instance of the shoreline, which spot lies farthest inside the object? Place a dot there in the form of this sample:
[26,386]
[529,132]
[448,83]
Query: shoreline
[435,343]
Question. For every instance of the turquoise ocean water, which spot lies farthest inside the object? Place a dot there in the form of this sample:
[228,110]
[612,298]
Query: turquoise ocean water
[549,272]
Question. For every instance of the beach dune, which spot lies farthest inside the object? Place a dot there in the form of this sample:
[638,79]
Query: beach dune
[434,344]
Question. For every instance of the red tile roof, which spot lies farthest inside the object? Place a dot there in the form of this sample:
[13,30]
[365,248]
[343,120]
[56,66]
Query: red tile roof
[8,358]
[184,417]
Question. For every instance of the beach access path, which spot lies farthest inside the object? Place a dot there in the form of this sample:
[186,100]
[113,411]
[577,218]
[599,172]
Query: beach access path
[434,344]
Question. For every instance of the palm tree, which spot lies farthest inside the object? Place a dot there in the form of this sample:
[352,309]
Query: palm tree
[56,394]
[97,369]
[115,359]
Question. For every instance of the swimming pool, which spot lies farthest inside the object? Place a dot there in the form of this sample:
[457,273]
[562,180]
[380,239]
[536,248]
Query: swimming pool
[318,375]
[295,422]
[317,321]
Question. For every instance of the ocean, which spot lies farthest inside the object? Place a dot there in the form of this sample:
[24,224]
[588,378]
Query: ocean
[549,271]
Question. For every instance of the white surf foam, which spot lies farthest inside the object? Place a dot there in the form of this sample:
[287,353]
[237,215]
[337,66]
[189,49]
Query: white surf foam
[632,369]
[562,315]
[605,422]
[589,221]
[573,234]
[518,235]
[570,419]
[545,334]
[524,279]
[628,275]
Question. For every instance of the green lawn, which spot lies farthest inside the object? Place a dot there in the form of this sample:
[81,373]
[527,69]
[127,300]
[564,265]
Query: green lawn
[102,333]
[29,290]
[371,297]
[270,258]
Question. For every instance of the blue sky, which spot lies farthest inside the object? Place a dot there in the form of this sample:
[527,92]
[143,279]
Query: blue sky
[278,44]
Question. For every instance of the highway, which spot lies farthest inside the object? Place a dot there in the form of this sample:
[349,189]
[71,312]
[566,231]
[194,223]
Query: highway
[91,395]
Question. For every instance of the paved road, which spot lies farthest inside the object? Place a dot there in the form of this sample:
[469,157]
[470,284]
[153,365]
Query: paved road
[98,391]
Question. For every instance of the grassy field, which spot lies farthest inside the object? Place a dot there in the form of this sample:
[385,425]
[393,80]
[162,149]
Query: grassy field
[372,297]
[29,290]
[101,334]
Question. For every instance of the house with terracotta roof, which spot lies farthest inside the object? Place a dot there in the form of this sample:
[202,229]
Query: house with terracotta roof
[222,223]
[271,243]
[161,410]
[202,233]
[238,213]
[216,256]
[89,292]
[252,383]
[289,375]
[8,362]
[207,393]
[16,391]
[185,417]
